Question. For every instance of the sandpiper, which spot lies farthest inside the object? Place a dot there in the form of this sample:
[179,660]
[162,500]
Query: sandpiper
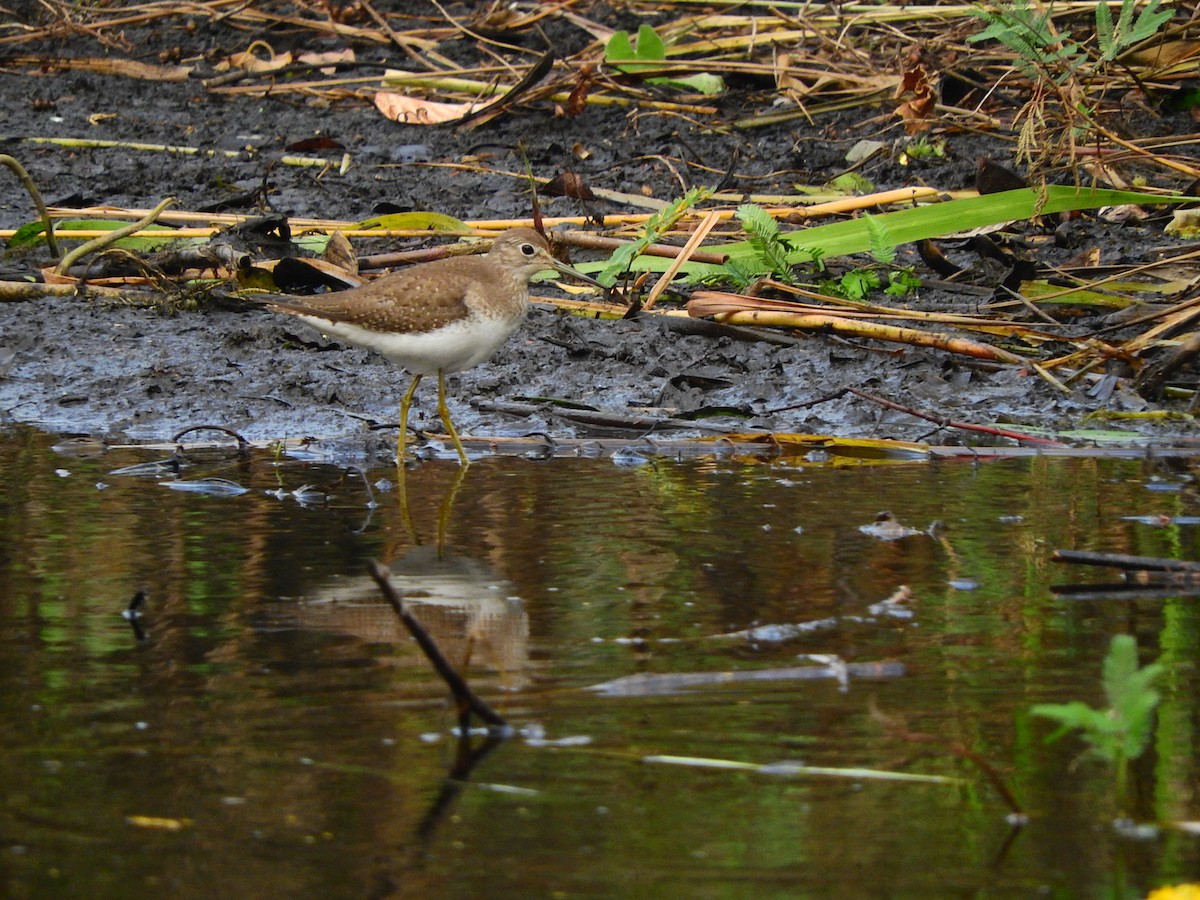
[442,316]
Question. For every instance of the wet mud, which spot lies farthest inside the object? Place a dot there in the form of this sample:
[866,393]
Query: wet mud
[119,371]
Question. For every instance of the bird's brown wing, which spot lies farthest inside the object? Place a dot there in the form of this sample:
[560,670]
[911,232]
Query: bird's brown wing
[413,300]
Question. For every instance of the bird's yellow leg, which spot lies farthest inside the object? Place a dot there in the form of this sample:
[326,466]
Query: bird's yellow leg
[444,412]
[405,403]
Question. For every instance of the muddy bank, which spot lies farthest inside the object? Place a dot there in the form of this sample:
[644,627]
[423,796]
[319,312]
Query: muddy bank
[88,367]
[119,371]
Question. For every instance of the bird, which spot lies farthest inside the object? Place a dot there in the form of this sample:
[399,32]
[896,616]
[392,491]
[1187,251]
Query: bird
[440,317]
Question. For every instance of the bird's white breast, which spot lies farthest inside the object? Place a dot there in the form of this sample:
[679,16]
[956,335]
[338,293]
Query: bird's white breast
[451,348]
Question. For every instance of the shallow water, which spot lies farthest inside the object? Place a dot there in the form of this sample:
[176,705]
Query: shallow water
[274,732]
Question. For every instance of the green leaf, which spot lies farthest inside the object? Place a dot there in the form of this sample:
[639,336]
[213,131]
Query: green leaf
[154,237]
[650,45]
[934,220]
[1073,716]
[763,231]
[1149,22]
[1122,731]
[626,57]
[649,53]
[701,82]
[619,48]
[852,183]
[312,241]
[28,235]
[1130,692]
[626,255]
[740,273]
[902,282]
[757,221]
[1104,30]
[856,285]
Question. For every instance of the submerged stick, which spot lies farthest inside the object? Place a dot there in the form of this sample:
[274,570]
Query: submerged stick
[465,699]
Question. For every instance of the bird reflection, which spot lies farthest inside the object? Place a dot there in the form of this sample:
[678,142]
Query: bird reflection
[470,611]
[465,606]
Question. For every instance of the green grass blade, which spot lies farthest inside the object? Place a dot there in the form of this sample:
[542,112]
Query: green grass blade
[935,220]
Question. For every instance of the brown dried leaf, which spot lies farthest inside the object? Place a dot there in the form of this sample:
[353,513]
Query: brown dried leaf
[916,92]
[339,253]
[249,61]
[416,111]
[568,184]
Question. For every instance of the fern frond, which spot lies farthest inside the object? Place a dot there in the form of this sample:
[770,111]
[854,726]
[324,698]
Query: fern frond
[757,221]
[881,243]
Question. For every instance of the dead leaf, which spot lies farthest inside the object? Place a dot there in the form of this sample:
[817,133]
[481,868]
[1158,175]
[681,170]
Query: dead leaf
[416,111]
[568,184]
[1163,55]
[919,102]
[249,61]
[330,58]
[126,68]
[577,100]
[338,252]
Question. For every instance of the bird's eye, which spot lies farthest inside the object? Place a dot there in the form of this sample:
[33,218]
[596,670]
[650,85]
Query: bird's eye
[528,249]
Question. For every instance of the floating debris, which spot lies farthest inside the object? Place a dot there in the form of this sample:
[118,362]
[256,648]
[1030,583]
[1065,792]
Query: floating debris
[213,487]
[168,466]
[886,528]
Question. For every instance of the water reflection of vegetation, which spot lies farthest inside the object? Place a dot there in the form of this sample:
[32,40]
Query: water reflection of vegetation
[610,563]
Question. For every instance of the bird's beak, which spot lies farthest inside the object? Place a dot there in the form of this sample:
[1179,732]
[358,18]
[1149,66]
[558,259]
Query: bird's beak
[575,273]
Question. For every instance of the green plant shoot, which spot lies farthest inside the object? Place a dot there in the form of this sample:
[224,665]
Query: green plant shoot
[1029,32]
[648,53]
[1122,731]
[763,232]
[658,223]
[1113,39]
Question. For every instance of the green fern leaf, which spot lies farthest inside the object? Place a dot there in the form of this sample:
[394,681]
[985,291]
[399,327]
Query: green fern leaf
[1148,23]
[882,246]
[1104,30]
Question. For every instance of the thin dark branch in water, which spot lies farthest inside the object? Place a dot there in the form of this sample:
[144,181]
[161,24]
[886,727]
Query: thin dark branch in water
[816,401]
[466,700]
[1125,561]
[1131,590]
[466,758]
[940,421]
[898,729]
[243,444]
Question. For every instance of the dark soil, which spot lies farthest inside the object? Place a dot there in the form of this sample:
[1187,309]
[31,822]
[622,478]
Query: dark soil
[117,370]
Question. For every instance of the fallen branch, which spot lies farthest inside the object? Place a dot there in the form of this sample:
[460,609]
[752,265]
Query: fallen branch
[110,238]
[36,196]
